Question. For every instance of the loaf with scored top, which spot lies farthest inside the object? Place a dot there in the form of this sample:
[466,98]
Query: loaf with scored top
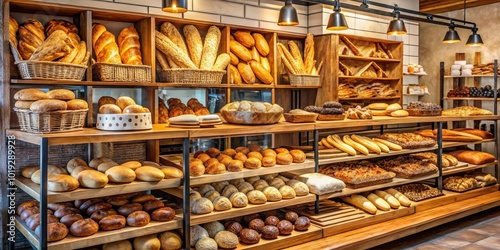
[105,46]
[130,47]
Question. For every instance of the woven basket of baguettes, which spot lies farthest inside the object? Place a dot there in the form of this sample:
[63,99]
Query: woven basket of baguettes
[50,122]
[108,72]
[304,80]
[192,76]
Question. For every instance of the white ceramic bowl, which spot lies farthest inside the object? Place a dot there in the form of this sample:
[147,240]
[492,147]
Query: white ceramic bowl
[124,122]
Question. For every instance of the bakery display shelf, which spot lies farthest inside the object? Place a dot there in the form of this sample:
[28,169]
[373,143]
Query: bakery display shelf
[451,197]
[297,237]
[413,94]
[370,98]
[197,219]
[283,86]
[82,83]
[93,135]
[373,156]
[469,98]
[244,130]
[175,161]
[110,189]
[467,167]
[251,86]
[414,74]
[452,144]
[191,85]
[370,59]
[393,183]
[472,76]
[101,237]
[370,78]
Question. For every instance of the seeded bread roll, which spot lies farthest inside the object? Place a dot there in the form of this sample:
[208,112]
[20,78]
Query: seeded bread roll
[226,239]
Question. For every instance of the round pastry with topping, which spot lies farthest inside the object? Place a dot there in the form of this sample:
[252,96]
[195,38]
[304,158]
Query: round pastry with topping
[332,105]
[332,111]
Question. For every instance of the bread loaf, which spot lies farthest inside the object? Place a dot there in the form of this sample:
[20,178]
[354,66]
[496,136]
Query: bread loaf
[234,59]
[244,38]
[30,94]
[13,28]
[261,44]
[162,60]
[142,198]
[35,172]
[171,172]
[265,63]
[163,214]
[194,43]
[235,77]
[31,35]
[122,245]
[196,233]
[85,227]
[170,240]
[61,183]
[92,179]
[130,47]
[221,62]
[201,206]
[360,202]
[206,243]
[309,53]
[147,242]
[222,203]
[246,73]
[63,25]
[94,163]
[69,219]
[210,48]
[105,46]
[239,199]
[48,105]
[226,239]
[240,51]
[295,51]
[138,219]
[112,222]
[55,231]
[473,157]
[105,166]
[149,174]
[174,35]
[176,55]
[261,72]
[57,45]
[120,174]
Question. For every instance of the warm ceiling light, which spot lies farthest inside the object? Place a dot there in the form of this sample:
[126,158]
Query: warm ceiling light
[288,15]
[174,6]
[337,20]
[396,26]
[451,35]
[474,39]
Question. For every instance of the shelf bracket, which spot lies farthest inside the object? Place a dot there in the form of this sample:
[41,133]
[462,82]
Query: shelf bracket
[44,159]
[439,179]
[186,211]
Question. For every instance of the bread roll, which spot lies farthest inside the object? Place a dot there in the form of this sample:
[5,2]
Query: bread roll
[133,109]
[34,220]
[170,241]
[393,107]
[92,179]
[256,197]
[130,47]
[201,206]
[270,232]
[302,223]
[261,72]
[97,161]
[73,163]
[378,106]
[112,222]
[253,163]
[48,105]
[194,195]
[122,245]
[261,44]
[105,166]
[30,95]
[163,214]
[226,239]
[98,206]
[240,51]
[287,192]
[221,62]
[27,204]
[142,198]
[285,227]
[217,168]
[260,185]
[152,205]
[138,219]
[125,210]
[171,172]
[301,189]
[149,174]
[239,199]
[222,203]
[269,161]
[298,156]
[100,214]
[235,75]
[61,94]
[147,242]
[210,48]
[250,236]
[196,167]
[105,100]
[244,38]
[55,231]
[234,59]
[236,182]
[206,243]
[245,187]
[27,172]
[284,159]
[229,190]
[124,101]
[219,186]
[76,171]
[399,113]
[85,227]
[88,203]
[23,104]
[69,219]
[272,194]
[117,201]
[105,46]
[61,183]
[66,211]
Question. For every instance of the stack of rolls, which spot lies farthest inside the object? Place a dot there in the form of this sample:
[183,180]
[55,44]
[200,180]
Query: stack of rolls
[53,100]
[176,107]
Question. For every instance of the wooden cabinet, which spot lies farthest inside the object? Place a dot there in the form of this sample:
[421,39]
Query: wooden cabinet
[358,63]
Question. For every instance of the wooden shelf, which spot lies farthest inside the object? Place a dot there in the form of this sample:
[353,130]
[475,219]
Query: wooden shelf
[467,167]
[297,237]
[373,156]
[110,189]
[371,98]
[413,94]
[369,78]
[251,86]
[242,130]
[394,182]
[279,86]
[470,99]
[101,237]
[191,85]
[452,144]
[370,59]
[473,76]
[416,74]
[82,83]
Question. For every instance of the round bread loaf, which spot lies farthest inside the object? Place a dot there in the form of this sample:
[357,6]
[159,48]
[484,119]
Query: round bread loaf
[112,222]
[302,223]
[253,163]
[103,167]
[170,241]
[211,195]
[256,224]
[235,166]
[88,203]
[149,174]
[284,159]
[249,236]
[378,106]
[291,216]
[277,183]
[59,205]
[217,168]
[147,242]
[61,94]
[243,150]
[171,172]
[163,214]
[48,105]
[269,161]
[239,199]
[117,201]
[133,109]
[219,186]
[30,95]
[281,150]
[85,227]
[230,152]
[226,239]
[272,194]
[33,172]
[268,152]
[229,190]
[301,189]
[270,232]
[56,231]
[129,208]
[143,198]
[203,157]
[106,100]
[210,162]
[212,152]
[76,171]
[252,179]
[206,244]
[100,214]
[23,104]
[256,197]
[196,233]
[97,161]
[27,204]
[272,220]
[75,162]
[400,113]
[27,212]
[138,219]
[222,203]
[205,188]
[69,219]
[34,220]
[124,101]
[240,156]
[120,174]
[194,195]
[122,245]
[393,107]
[132,165]
[234,227]
[151,205]
[77,104]
[213,228]
[298,156]
[285,227]
[98,206]
[66,211]
[196,167]
[260,185]
[255,154]
[109,109]
[201,206]
[287,192]
[245,187]
[92,179]
[254,147]
[61,183]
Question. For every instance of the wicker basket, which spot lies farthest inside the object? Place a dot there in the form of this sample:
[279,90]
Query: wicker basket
[108,72]
[51,122]
[194,76]
[304,80]
[50,70]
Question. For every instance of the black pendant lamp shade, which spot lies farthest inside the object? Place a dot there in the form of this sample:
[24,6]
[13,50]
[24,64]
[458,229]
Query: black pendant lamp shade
[288,15]
[174,6]
[337,20]
[451,35]
[474,39]
[396,26]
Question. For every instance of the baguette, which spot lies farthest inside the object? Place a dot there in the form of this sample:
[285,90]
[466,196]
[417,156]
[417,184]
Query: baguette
[365,141]
[360,202]
[246,73]
[403,200]
[389,198]
[235,75]
[234,59]
[265,63]
[324,142]
[255,54]
[261,72]
[350,45]
[309,53]
[194,43]
[360,148]
[210,48]
[392,146]
[165,45]
[82,52]
[378,202]
[382,147]
[221,62]
[244,38]
[289,57]
[261,44]
[162,59]
[295,51]
[448,132]
[174,35]
[286,62]
[477,132]
[240,51]
[338,143]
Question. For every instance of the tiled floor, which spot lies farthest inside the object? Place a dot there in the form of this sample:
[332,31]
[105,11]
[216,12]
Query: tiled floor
[480,231]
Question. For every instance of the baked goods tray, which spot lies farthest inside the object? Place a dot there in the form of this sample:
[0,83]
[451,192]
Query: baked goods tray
[300,118]
[51,122]
[108,72]
[192,76]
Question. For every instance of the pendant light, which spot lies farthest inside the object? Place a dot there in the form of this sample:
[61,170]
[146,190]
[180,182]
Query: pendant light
[396,26]
[474,39]
[337,20]
[288,15]
[451,35]
[174,6]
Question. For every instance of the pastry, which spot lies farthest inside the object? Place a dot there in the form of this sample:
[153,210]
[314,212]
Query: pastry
[130,47]
[105,46]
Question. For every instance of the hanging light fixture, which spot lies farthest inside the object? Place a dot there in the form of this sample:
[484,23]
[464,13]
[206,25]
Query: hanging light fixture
[288,15]
[474,39]
[174,6]
[451,35]
[396,26]
[337,20]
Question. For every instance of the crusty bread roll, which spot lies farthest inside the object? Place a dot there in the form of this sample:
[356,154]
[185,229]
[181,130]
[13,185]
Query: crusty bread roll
[85,227]
[246,73]
[261,44]
[299,187]
[77,104]
[30,95]
[152,205]
[142,198]
[122,245]
[61,183]
[48,105]
[76,171]
[276,182]
[132,165]
[194,43]
[127,209]
[124,101]
[120,174]
[260,185]
[393,107]
[130,47]
[57,45]
[235,166]
[261,72]
[239,199]
[219,186]
[253,163]
[147,242]
[31,36]
[378,106]
[201,206]
[170,240]
[229,190]
[132,109]
[105,47]
[287,192]
[171,172]
[148,173]
[211,195]
[69,219]
[27,172]
[226,239]
[244,38]
[272,194]
[23,104]
[110,109]
[269,161]
[221,62]
[138,219]
[196,167]
[210,48]
[112,222]
[103,167]
[193,195]
[400,113]
[240,51]
[216,168]
[298,156]
[256,197]
[105,100]
[222,203]
[55,231]
[284,159]
[34,172]
[163,214]
[94,163]
[92,179]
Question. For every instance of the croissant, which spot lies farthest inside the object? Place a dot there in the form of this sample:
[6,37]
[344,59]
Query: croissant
[57,45]
[31,35]
[130,47]
[13,27]
[105,47]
